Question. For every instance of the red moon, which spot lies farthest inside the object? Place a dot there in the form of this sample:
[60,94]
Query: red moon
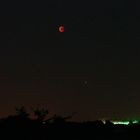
[61,29]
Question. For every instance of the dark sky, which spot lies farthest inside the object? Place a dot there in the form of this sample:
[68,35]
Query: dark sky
[93,68]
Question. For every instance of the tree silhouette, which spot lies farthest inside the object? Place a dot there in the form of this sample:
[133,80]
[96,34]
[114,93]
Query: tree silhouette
[59,119]
[40,113]
[22,112]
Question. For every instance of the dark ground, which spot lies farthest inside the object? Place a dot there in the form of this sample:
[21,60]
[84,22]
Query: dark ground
[16,128]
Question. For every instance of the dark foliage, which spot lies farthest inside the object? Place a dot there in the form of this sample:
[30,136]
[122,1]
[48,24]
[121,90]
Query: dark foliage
[22,127]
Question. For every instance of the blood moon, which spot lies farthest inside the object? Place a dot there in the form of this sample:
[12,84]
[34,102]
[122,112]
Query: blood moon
[61,29]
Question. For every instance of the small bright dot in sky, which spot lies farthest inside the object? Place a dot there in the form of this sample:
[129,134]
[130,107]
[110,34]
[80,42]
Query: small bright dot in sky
[85,82]
[61,29]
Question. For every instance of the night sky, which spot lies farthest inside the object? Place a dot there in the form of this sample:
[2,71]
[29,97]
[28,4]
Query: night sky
[93,68]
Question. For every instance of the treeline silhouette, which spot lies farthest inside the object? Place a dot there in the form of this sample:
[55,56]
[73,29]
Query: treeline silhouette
[22,127]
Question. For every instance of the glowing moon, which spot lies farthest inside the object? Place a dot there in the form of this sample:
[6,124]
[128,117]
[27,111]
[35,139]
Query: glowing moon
[61,29]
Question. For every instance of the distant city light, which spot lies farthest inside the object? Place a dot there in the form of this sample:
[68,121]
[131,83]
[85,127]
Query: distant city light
[121,122]
[43,122]
[135,121]
[125,122]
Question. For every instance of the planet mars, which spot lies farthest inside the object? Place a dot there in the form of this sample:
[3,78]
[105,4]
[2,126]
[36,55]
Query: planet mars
[61,29]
